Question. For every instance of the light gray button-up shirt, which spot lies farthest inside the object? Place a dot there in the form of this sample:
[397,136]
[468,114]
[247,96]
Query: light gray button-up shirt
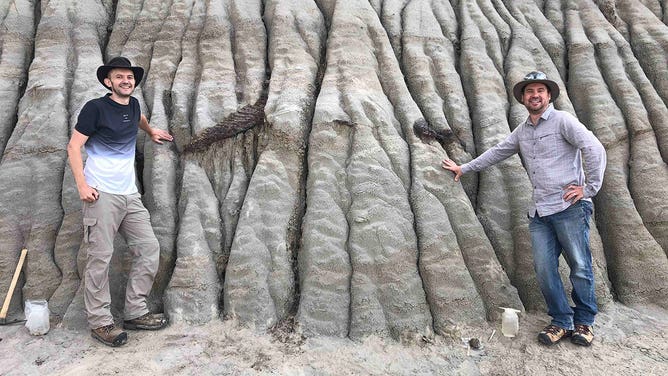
[552,154]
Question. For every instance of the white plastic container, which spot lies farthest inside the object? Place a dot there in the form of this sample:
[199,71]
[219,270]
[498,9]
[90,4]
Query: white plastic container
[37,316]
[509,322]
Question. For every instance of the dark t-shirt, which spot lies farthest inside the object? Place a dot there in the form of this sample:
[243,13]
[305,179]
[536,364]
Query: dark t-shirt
[112,136]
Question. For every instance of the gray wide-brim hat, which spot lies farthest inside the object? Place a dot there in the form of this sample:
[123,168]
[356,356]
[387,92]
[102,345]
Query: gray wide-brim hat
[536,77]
[119,62]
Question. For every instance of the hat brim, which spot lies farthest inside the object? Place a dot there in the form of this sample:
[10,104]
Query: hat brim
[518,90]
[103,72]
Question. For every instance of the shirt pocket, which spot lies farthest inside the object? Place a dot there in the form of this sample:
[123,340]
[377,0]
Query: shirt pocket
[88,226]
[547,146]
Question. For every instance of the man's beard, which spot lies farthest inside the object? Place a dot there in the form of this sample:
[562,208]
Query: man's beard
[536,110]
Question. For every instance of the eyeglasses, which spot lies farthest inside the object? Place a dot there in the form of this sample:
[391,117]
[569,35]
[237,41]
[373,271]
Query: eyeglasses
[535,76]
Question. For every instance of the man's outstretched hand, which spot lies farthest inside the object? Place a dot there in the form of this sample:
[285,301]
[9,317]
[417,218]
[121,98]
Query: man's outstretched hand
[158,135]
[452,166]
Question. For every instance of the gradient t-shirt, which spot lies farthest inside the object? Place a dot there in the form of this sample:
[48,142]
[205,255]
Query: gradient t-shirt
[111,128]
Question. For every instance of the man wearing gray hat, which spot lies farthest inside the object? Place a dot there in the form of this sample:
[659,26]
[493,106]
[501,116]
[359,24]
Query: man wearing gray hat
[107,127]
[552,145]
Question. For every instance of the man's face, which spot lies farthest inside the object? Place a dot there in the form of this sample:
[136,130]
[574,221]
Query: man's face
[536,98]
[121,81]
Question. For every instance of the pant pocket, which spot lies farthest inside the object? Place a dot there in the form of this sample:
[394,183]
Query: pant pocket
[88,223]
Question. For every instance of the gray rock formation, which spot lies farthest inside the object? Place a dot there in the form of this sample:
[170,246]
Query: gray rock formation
[304,182]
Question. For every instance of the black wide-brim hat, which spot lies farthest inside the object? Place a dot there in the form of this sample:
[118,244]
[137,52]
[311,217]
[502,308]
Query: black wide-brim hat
[119,62]
[536,77]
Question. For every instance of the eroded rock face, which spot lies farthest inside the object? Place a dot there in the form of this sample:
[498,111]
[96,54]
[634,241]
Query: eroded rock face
[304,181]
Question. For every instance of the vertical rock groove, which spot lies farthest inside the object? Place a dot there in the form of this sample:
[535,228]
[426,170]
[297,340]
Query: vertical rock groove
[354,129]
[223,171]
[16,44]
[503,188]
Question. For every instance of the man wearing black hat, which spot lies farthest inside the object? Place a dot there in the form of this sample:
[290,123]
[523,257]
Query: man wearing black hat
[107,127]
[552,145]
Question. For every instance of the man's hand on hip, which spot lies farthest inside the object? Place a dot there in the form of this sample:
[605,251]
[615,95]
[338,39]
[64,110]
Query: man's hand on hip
[574,193]
[88,193]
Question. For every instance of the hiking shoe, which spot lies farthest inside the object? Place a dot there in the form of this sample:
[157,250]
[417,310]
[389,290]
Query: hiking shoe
[110,335]
[583,335]
[149,321]
[552,334]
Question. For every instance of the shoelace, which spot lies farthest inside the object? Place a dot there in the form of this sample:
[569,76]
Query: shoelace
[553,329]
[108,328]
[582,329]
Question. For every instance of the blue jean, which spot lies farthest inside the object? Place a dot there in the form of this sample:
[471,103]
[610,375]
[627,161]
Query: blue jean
[567,232]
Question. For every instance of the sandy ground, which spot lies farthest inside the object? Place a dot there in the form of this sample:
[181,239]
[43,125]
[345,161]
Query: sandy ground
[628,342]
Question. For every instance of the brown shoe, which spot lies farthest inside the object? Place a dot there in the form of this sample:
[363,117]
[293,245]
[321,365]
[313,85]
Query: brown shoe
[149,321]
[552,334]
[583,335]
[110,335]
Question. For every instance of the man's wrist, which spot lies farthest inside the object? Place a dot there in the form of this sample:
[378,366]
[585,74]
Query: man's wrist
[587,191]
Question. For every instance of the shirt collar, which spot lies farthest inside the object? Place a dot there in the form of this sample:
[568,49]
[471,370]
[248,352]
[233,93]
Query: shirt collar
[545,115]
[548,111]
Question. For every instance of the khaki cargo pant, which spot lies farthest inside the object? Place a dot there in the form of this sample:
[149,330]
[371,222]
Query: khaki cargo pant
[102,219]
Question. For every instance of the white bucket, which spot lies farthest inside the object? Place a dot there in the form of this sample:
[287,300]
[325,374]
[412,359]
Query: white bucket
[510,322]
[37,316]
